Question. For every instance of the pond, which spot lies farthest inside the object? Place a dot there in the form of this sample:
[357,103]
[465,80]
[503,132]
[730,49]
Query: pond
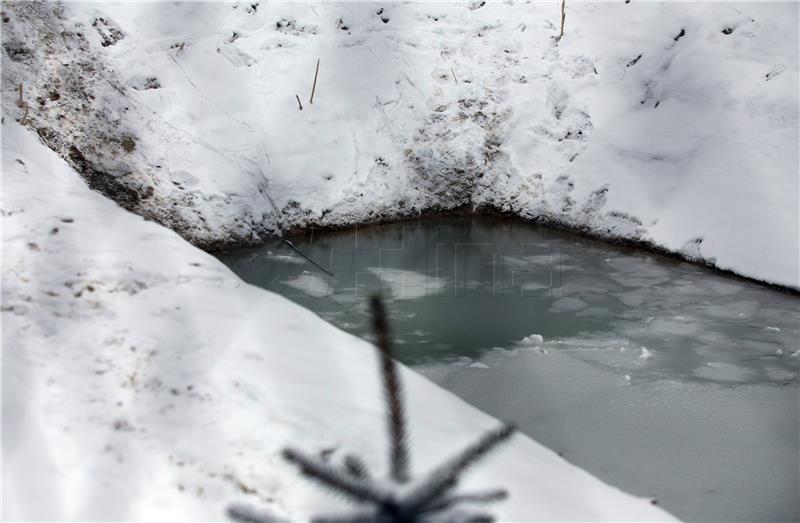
[660,377]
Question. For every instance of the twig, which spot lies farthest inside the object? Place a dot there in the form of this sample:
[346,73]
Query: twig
[454,74]
[314,87]
[563,17]
[24,120]
[298,102]
[24,106]
[298,251]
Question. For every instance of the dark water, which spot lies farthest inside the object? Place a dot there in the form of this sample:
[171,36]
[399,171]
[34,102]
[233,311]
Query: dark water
[660,377]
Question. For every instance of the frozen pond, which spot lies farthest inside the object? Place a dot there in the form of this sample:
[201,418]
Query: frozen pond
[660,377]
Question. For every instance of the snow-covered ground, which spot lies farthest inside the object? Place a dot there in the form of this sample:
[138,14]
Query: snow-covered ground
[143,380]
[674,124]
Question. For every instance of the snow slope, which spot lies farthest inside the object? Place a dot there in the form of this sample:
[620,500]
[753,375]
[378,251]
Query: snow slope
[672,124]
[143,380]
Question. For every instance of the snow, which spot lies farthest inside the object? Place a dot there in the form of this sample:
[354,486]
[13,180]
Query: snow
[142,380]
[666,123]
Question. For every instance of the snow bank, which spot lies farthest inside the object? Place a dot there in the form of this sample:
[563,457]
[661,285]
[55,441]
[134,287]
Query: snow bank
[672,124]
[142,380]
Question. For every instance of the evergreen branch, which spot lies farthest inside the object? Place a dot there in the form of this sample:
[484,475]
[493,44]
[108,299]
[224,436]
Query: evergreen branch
[336,480]
[246,514]
[355,467]
[446,476]
[392,390]
[491,496]
[358,517]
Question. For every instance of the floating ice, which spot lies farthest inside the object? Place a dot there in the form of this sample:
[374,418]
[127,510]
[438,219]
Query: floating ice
[533,339]
[311,284]
[567,304]
[408,285]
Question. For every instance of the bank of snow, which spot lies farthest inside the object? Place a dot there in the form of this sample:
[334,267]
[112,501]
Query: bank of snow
[669,123]
[143,380]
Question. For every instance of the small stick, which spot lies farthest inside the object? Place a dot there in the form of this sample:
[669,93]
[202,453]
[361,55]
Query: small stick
[454,74]
[22,105]
[314,87]
[298,102]
[25,120]
[563,17]
[298,251]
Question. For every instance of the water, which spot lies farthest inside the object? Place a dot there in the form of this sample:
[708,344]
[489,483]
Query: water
[662,378]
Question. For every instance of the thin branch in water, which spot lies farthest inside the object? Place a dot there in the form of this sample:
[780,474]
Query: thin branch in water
[392,390]
[301,253]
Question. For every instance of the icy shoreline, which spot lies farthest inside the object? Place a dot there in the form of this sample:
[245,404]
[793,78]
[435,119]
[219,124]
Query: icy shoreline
[641,245]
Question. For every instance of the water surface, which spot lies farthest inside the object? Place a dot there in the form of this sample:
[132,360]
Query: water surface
[663,378]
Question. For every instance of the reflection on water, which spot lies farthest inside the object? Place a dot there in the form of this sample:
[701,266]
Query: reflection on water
[658,376]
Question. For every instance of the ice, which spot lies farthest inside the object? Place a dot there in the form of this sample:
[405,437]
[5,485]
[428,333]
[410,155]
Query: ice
[723,371]
[406,284]
[568,304]
[285,258]
[533,339]
[311,284]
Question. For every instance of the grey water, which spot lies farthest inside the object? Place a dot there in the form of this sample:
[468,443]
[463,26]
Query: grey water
[662,378]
